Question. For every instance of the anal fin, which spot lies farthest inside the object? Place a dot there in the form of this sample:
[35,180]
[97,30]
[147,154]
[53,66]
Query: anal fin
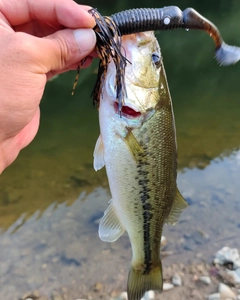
[110,227]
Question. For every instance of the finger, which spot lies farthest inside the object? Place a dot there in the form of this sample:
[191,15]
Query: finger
[65,12]
[39,28]
[59,50]
[52,54]
[68,48]
[73,67]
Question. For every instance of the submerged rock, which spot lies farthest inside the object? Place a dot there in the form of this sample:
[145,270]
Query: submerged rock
[177,280]
[167,286]
[123,296]
[226,292]
[205,279]
[236,264]
[227,255]
[215,296]
[163,241]
[150,295]
[235,275]
[31,296]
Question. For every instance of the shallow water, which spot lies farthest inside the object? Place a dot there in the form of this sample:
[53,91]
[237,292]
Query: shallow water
[51,199]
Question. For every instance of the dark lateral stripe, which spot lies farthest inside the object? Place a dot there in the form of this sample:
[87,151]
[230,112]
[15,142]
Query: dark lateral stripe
[147,216]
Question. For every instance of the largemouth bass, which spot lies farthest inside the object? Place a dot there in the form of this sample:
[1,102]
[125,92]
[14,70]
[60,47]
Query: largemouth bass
[139,151]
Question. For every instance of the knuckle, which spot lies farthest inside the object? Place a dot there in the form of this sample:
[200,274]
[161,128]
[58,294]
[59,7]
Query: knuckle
[66,49]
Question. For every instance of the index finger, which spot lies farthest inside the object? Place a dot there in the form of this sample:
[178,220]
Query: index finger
[55,12]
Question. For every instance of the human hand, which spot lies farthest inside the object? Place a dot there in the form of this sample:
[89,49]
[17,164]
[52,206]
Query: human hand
[39,39]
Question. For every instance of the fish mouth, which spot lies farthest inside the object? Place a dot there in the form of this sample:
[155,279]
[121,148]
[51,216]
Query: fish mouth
[127,111]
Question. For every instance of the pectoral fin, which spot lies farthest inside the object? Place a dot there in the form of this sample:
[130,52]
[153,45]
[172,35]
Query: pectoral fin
[110,228]
[178,206]
[134,146]
[98,154]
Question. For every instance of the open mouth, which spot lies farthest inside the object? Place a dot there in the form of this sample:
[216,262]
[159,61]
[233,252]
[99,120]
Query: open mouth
[127,111]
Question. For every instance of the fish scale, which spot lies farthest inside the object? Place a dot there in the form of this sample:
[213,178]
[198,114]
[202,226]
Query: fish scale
[137,143]
[139,152]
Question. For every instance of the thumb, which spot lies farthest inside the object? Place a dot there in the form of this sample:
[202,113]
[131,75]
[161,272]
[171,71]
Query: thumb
[65,48]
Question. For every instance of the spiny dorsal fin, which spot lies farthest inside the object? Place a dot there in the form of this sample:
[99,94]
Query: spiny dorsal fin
[110,228]
[98,154]
[178,206]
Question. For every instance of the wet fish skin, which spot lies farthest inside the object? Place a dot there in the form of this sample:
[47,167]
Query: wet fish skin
[140,155]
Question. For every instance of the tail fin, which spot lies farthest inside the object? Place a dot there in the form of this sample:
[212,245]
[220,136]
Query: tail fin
[139,283]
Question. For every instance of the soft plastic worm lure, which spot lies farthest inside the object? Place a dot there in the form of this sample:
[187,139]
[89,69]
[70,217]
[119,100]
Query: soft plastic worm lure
[171,17]
[110,29]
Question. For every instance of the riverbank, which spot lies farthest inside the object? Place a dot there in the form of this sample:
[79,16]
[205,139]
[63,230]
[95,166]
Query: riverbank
[182,282]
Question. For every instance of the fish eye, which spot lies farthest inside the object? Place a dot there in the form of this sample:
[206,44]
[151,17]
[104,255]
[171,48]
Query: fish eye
[156,59]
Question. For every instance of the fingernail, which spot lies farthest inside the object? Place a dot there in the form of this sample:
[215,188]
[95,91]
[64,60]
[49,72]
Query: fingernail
[86,39]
